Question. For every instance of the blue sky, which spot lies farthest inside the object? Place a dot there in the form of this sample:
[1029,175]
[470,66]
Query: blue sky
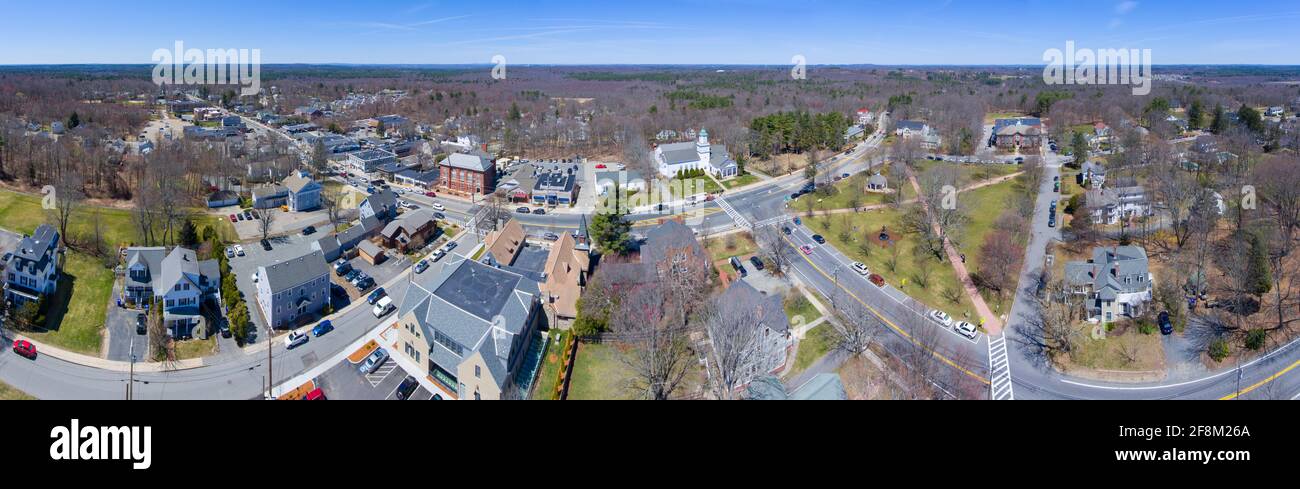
[658,32]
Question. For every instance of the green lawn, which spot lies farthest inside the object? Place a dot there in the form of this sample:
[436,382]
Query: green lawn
[79,308]
[196,348]
[692,187]
[741,181]
[550,371]
[983,207]
[797,305]
[737,244]
[907,270]
[845,192]
[812,348]
[599,374]
[9,393]
[967,175]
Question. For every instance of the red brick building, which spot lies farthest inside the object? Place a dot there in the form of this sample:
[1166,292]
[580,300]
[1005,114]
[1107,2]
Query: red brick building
[468,175]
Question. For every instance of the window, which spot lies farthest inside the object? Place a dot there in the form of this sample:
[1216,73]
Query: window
[478,372]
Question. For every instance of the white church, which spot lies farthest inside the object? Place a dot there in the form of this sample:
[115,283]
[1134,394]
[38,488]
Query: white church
[699,155]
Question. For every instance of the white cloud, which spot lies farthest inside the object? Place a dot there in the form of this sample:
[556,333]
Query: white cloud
[1125,7]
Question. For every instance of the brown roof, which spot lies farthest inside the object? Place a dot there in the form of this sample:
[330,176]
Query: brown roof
[505,243]
[565,267]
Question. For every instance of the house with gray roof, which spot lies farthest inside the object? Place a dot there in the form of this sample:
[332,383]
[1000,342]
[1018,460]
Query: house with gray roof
[303,192]
[701,155]
[1116,282]
[765,331]
[1112,205]
[470,327]
[369,160]
[382,205]
[33,272]
[177,280]
[294,290]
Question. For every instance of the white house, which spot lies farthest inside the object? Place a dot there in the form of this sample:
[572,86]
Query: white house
[33,271]
[699,155]
[1111,205]
[1116,281]
[178,279]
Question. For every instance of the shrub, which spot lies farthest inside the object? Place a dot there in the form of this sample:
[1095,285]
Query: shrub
[1255,339]
[1219,350]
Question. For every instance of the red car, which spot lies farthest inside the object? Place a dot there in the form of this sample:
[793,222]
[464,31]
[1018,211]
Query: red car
[430,195]
[234,218]
[316,395]
[25,348]
[877,280]
[601,167]
[807,250]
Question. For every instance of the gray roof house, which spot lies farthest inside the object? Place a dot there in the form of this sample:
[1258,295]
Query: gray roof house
[697,155]
[34,269]
[382,204]
[303,192]
[765,319]
[291,291]
[470,327]
[178,279]
[1116,281]
[1111,205]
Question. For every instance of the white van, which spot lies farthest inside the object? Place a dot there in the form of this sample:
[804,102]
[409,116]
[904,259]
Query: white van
[384,307]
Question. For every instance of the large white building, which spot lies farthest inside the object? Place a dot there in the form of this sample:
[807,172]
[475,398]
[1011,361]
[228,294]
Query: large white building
[699,155]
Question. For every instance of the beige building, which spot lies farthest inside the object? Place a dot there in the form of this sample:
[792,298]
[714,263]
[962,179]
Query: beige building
[470,328]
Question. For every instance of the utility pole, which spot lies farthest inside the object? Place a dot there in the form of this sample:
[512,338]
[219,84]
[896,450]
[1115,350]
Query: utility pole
[130,380]
[270,379]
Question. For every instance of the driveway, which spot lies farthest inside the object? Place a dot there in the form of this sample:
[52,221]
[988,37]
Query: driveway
[120,325]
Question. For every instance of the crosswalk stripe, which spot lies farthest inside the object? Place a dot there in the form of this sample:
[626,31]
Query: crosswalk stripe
[1000,386]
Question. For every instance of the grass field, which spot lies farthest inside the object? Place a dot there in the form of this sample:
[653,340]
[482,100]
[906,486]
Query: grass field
[722,248]
[549,374]
[9,393]
[79,307]
[908,266]
[845,192]
[1128,350]
[599,374]
[816,345]
[966,174]
[196,348]
[983,207]
[740,181]
[796,305]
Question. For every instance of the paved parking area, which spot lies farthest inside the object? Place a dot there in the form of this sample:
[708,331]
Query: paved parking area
[120,323]
[345,382]
[244,267]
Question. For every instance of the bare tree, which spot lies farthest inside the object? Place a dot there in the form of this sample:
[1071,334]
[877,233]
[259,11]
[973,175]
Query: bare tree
[660,354]
[853,325]
[68,199]
[267,220]
[332,200]
[776,250]
[741,348]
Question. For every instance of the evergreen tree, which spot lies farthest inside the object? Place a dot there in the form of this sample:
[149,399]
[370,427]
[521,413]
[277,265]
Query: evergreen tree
[1195,114]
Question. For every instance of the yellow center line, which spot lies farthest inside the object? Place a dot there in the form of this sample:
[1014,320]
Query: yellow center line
[1261,383]
[887,321]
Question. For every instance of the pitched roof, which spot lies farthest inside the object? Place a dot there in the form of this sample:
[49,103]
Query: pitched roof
[36,250]
[565,266]
[479,307]
[503,245]
[295,182]
[743,300]
[471,162]
[293,272]
[661,238]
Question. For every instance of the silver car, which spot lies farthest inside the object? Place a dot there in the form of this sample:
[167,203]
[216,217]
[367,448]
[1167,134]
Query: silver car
[373,361]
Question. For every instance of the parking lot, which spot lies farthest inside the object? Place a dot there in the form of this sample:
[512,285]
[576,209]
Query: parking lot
[284,248]
[346,382]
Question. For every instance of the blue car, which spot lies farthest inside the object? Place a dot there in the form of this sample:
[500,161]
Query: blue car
[322,329]
[376,295]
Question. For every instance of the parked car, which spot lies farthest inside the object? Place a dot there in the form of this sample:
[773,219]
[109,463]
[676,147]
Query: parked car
[740,268]
[523,210]
[421,267]
[254,277]
[384,307]
[309,230]
[322,329]
[225,330]
[1166,326]
[248,215]
[239,216]
[25,348]
[941,317]
[407,388]
[966,329]
[342,268]
[230,252]
[877,280]
[233,218]
[540,212]
[376,295]
[757,262]
[266,245]
[239,250]
[438,255]
[807,250]
[141,324]
[861,268]
[295,340]
[365,283]
[315,395]
[351,275]
[7,257]
[373,361]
